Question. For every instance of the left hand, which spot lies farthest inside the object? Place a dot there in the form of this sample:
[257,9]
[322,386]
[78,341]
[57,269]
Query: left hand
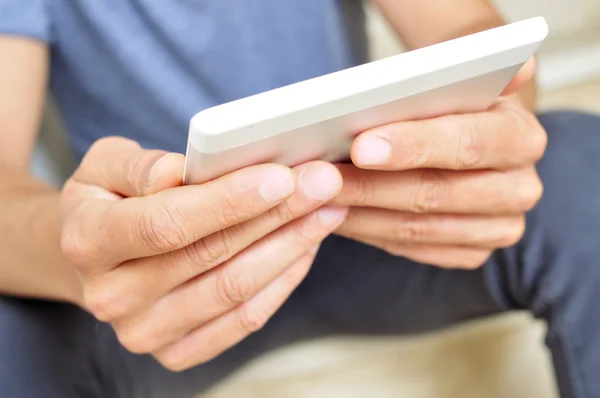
[446,191]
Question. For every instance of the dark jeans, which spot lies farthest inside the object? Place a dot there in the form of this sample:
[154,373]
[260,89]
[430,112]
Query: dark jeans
[55,350]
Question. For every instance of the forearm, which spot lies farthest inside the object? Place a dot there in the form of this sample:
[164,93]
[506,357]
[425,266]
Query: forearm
[31,264]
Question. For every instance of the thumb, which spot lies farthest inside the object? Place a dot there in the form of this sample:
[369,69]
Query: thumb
[123,167]
[524,76]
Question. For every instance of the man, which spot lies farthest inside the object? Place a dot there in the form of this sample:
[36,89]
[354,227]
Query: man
[424,230]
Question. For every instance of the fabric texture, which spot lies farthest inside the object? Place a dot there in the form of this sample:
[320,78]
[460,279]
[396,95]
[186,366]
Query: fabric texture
[29,18]
[142,68]
[56,350]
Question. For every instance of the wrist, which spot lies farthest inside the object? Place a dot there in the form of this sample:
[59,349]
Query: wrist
[32,262]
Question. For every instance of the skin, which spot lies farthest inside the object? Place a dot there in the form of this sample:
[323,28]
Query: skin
[169,270]
[126,242]
[447,191]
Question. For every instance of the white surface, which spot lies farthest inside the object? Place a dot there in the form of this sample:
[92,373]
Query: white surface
[507,43]
[492,358]
[291,125]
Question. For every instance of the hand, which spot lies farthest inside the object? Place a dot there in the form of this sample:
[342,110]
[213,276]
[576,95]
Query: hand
[446,191]
[185,272]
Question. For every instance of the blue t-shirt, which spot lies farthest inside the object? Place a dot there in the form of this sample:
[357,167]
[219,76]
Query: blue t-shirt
[142,68]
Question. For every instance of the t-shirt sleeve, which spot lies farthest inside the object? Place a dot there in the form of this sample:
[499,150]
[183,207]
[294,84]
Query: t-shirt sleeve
[27,18]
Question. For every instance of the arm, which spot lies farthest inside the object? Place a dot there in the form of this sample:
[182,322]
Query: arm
[31,264]
[425,22]
[143,252]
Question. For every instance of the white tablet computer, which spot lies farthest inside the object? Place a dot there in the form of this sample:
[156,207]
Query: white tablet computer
[319,118]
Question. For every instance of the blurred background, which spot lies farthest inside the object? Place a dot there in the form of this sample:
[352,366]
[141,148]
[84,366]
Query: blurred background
[569,60]
[503,357]
[498,358]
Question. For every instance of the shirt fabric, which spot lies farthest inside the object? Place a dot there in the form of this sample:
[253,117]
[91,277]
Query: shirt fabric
[142,68]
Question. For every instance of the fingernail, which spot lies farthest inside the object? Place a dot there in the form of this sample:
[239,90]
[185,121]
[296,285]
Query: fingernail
[330,215]
[277,185]
[166,172]
[372,151]
[320,182]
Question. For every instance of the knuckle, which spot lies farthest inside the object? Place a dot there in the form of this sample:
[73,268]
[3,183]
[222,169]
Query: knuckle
[530,191]
[470,152]
[431,192]
[162,229]
[229,213]
[252,319]
[411,229]
[283,213]
[172,362]
[514,233]
[234,287]
[416,149]
[135,341]
[539,142]
[209,251]
[69,189]
[137,171]
[73,249]
[83,236]
[364,190]
[105,304]
[78,250]
[136,174]
[133,344]
[537,138]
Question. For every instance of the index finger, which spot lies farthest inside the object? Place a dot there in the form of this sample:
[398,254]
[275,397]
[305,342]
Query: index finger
[524,76]
[104,235]
[506,136]
[121,166]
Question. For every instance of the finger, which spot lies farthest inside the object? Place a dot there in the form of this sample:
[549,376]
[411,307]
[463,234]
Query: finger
[524,76]
[506,136]
[441,191]
[454,257]
[74,195]
[216,336]
[97,239]
[122,166]
[227,286]
[123,291]
[488,232]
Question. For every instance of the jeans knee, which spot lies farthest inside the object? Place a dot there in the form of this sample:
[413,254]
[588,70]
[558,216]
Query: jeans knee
[573,142]
[570,171]
[44,350]
[561,120]
[557,263]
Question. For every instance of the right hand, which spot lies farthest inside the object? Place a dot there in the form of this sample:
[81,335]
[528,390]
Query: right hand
[185,272]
